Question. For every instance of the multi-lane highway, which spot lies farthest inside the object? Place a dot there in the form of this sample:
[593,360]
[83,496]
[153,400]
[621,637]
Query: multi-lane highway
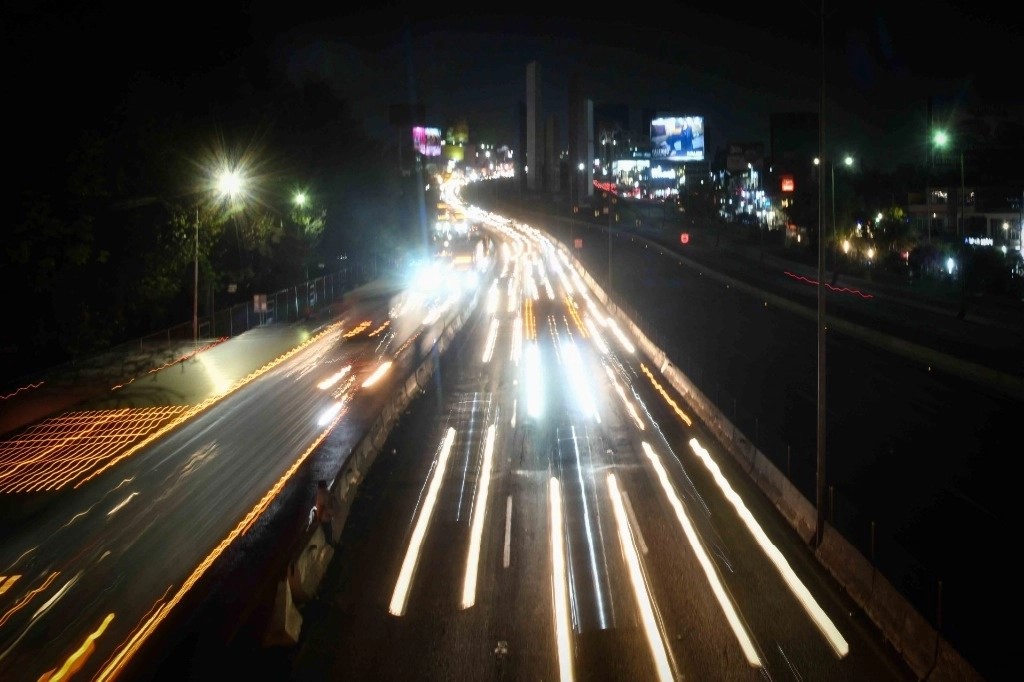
[552,512]
[921,405]
[549,508]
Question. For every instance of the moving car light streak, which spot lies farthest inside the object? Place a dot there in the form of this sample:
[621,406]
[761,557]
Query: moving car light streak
[77,660]
[800,591]
[625,401]
[559,589]
[517,340]
[201,407]
[591,544]
[492,337]
[52,454]
[664,394]
[400,597]
[655,638]
[24,601]
[334,378]
[377,374]
[493,296]
[571,305]
[577,378]
[479,514]
[705,561]
[621,336]
[595,335]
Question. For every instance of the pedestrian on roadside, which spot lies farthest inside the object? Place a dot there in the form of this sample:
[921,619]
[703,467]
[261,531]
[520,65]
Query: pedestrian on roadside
[325,510]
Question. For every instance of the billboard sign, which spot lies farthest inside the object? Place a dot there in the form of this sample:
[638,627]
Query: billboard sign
[427,141]
[677,138]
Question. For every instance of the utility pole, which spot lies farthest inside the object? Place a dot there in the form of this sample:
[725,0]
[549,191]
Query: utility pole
[195,288]
[819,529]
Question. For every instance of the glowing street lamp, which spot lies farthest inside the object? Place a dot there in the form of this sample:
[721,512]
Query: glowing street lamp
[229,184]
[941,140]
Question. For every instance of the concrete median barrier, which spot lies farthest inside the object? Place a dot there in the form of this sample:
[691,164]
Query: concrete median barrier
[285,620]
[308,568]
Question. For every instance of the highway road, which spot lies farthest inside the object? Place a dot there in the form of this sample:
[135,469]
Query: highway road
[114,515]
[549,511]
[921,406]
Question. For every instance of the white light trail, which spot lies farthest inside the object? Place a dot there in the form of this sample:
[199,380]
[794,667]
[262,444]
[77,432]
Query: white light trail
[578,380]
[705,561]
[377,374]
[517,339]
[329,413]
[507,554]
[400,597]
[625,401]
[558,583]
[334,378]
[492,337]
[591,545]
[655,641]
[479,514]
[595,334]
[622,337]
[800,591]
[493,296]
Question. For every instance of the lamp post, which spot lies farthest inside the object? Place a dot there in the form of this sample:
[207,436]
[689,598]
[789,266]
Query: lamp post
[819,475]
[229,184]
[195,288]
[848,161]
[941,139]
[611,202]
[574,181]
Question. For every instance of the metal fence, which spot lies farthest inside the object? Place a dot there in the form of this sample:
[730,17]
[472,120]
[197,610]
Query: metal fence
[139,355]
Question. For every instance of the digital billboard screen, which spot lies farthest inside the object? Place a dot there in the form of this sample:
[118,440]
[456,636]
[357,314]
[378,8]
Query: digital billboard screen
[427,141]
[677,138]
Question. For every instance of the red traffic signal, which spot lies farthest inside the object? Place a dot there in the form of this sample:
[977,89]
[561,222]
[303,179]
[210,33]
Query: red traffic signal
[684,237]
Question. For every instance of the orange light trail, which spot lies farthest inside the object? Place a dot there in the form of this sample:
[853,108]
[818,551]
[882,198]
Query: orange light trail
[77,660]
[571,305]
[7,582]
[135,640]
[530,324]
[27,387]
[20,604]
[664,394]
[52,454]
[201,407]
[356,330]
[379,329]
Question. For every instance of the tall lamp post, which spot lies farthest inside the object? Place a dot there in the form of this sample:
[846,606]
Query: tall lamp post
[941,139]
[847,161]
[574,181]
[819,475]
[229,184]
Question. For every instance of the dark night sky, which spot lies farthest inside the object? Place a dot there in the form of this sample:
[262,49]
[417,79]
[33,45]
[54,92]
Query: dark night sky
[735,66]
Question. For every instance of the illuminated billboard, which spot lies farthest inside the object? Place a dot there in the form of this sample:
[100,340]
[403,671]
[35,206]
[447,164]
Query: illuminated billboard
[427,141]
[677,138]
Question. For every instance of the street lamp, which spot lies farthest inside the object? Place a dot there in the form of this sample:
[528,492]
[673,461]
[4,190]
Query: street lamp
[574,181]
[229,184]
[941,139]
[848,162]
